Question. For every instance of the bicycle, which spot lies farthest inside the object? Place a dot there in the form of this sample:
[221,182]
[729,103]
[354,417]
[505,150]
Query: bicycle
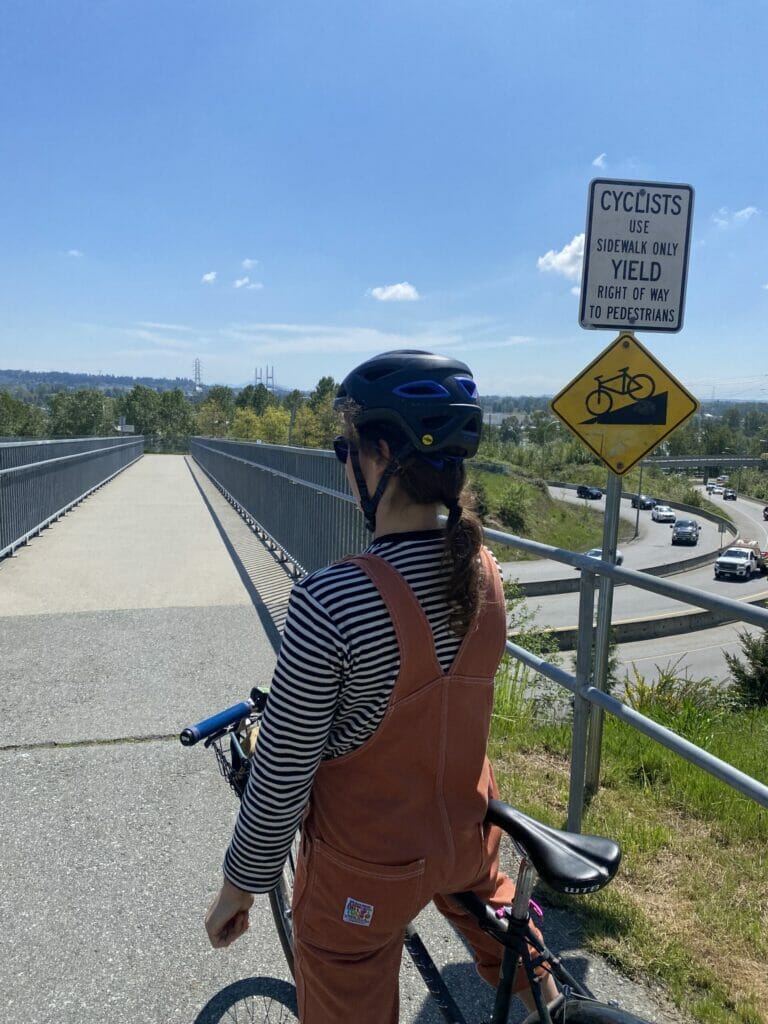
[637,386]
[567,862]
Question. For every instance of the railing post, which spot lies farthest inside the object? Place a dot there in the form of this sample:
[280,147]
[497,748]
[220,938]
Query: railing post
[603,632]
[580,704]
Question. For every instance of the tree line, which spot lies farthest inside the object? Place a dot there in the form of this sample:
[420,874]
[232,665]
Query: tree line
[253,413]
[529,436]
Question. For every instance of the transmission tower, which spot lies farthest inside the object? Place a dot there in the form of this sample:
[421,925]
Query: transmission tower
[259,376]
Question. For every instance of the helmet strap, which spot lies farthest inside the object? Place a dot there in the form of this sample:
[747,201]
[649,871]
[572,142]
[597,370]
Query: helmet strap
[369,503]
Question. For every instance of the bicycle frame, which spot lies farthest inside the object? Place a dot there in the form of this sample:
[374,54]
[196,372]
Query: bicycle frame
[510,926]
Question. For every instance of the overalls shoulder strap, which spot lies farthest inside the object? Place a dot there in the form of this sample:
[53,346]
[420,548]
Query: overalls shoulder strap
[412,628]
[481,648]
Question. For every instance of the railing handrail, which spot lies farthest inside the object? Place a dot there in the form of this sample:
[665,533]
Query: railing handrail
[580,683]
[65,458]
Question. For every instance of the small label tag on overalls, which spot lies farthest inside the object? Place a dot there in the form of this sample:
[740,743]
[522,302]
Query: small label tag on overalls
[356,912]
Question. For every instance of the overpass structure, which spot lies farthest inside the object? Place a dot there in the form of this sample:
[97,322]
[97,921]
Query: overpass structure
[708,464]
[153,603]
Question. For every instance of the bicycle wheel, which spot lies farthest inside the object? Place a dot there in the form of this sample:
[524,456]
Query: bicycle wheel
[252,1001]
[280,901]
[599,402]
[641,386]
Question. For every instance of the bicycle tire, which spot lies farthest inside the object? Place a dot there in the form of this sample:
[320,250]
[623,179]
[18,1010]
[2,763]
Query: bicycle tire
[644,384]
[578,1010]
[250,1001]
[599,402]
[280,902]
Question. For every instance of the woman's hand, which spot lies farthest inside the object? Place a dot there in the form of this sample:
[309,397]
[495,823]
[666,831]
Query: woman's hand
[227,917]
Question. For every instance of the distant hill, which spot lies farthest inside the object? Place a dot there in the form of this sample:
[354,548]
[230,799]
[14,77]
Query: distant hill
[37,384]
[40,382]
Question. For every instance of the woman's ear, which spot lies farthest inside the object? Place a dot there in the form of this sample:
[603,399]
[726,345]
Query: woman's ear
[384,450]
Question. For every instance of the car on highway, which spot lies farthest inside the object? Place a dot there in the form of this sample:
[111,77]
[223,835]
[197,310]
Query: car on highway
[642,501]
[714,489]
[598,553]
[765,512]
[685,531]
[663,514]
[743,560]
[587,491]
[729,494]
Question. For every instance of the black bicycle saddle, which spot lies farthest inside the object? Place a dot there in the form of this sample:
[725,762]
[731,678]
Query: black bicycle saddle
[566,861]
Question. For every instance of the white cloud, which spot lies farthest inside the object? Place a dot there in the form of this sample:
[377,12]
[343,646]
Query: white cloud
[599,161]
[513,339]
[402,292]
[566,262]
[746,214]
[766,287]
[723,218]
[576,291]
[247,283]
[249,264]
[208,278]
[161,339]
[74,252]
[152,325]
[259,339]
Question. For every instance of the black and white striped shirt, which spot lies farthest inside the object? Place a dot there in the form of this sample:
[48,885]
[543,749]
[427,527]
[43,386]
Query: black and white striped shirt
[338,663]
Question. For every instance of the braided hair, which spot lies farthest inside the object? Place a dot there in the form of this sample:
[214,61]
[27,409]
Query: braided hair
[426,480]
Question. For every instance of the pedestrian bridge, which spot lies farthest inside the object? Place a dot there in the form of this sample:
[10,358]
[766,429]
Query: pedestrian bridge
[124,617]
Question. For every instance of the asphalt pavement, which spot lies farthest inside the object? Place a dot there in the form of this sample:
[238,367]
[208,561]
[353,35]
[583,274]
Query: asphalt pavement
[147,607]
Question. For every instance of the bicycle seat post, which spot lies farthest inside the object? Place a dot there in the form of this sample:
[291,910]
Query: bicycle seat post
[526,878]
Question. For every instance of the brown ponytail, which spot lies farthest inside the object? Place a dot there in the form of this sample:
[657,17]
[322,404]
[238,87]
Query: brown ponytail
[463,538]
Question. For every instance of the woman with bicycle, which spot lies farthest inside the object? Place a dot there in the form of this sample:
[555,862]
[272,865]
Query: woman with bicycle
[374,736]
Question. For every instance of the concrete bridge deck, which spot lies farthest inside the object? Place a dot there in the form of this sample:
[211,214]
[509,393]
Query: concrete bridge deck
[148,606]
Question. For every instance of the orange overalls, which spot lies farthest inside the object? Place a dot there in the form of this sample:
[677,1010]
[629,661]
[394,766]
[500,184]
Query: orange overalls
[399,821]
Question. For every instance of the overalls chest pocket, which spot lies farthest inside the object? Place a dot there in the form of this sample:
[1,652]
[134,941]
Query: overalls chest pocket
[346,904]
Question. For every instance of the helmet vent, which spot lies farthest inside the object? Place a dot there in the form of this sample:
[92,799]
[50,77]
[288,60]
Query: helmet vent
[421,389]
[434,423]
[469,386]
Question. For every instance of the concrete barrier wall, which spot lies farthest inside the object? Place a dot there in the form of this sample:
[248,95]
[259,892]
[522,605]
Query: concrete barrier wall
[632,630]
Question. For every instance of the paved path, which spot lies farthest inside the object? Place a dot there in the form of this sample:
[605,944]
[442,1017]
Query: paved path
[145,608]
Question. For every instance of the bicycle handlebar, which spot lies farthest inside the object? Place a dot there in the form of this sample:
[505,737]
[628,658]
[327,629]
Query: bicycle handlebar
[194,733]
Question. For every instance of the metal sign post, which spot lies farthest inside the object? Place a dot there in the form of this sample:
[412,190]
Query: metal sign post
[603,631]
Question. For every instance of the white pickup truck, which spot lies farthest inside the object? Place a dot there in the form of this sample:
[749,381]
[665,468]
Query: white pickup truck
[742,559]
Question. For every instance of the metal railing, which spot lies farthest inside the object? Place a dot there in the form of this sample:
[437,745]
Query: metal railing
[299,497]
[41,480]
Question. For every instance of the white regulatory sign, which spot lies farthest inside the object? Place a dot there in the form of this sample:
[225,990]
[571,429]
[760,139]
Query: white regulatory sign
[636,255]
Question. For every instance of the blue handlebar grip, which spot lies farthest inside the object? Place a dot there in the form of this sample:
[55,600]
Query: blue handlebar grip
[194,733]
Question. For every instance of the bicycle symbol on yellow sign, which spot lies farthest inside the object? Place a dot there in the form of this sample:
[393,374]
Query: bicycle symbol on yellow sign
[637,386]
[623,404]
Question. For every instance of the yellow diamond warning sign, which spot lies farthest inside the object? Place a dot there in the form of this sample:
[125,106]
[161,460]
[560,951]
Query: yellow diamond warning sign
[623,404]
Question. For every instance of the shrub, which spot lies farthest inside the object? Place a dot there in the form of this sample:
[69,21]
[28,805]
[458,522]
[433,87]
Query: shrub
[751,677]
[513,507]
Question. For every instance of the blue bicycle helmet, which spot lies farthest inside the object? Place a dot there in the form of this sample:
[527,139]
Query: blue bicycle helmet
[432,399]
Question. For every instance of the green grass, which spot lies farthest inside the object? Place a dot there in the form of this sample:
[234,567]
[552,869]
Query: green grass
[575,527]
[689,908]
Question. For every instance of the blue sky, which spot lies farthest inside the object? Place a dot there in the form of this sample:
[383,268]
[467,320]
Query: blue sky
[299,185]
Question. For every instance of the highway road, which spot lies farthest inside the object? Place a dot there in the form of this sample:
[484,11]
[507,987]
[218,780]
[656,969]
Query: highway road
[700,653]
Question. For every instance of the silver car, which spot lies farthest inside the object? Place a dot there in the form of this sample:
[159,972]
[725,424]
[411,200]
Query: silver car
[598,553]
[663,514]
